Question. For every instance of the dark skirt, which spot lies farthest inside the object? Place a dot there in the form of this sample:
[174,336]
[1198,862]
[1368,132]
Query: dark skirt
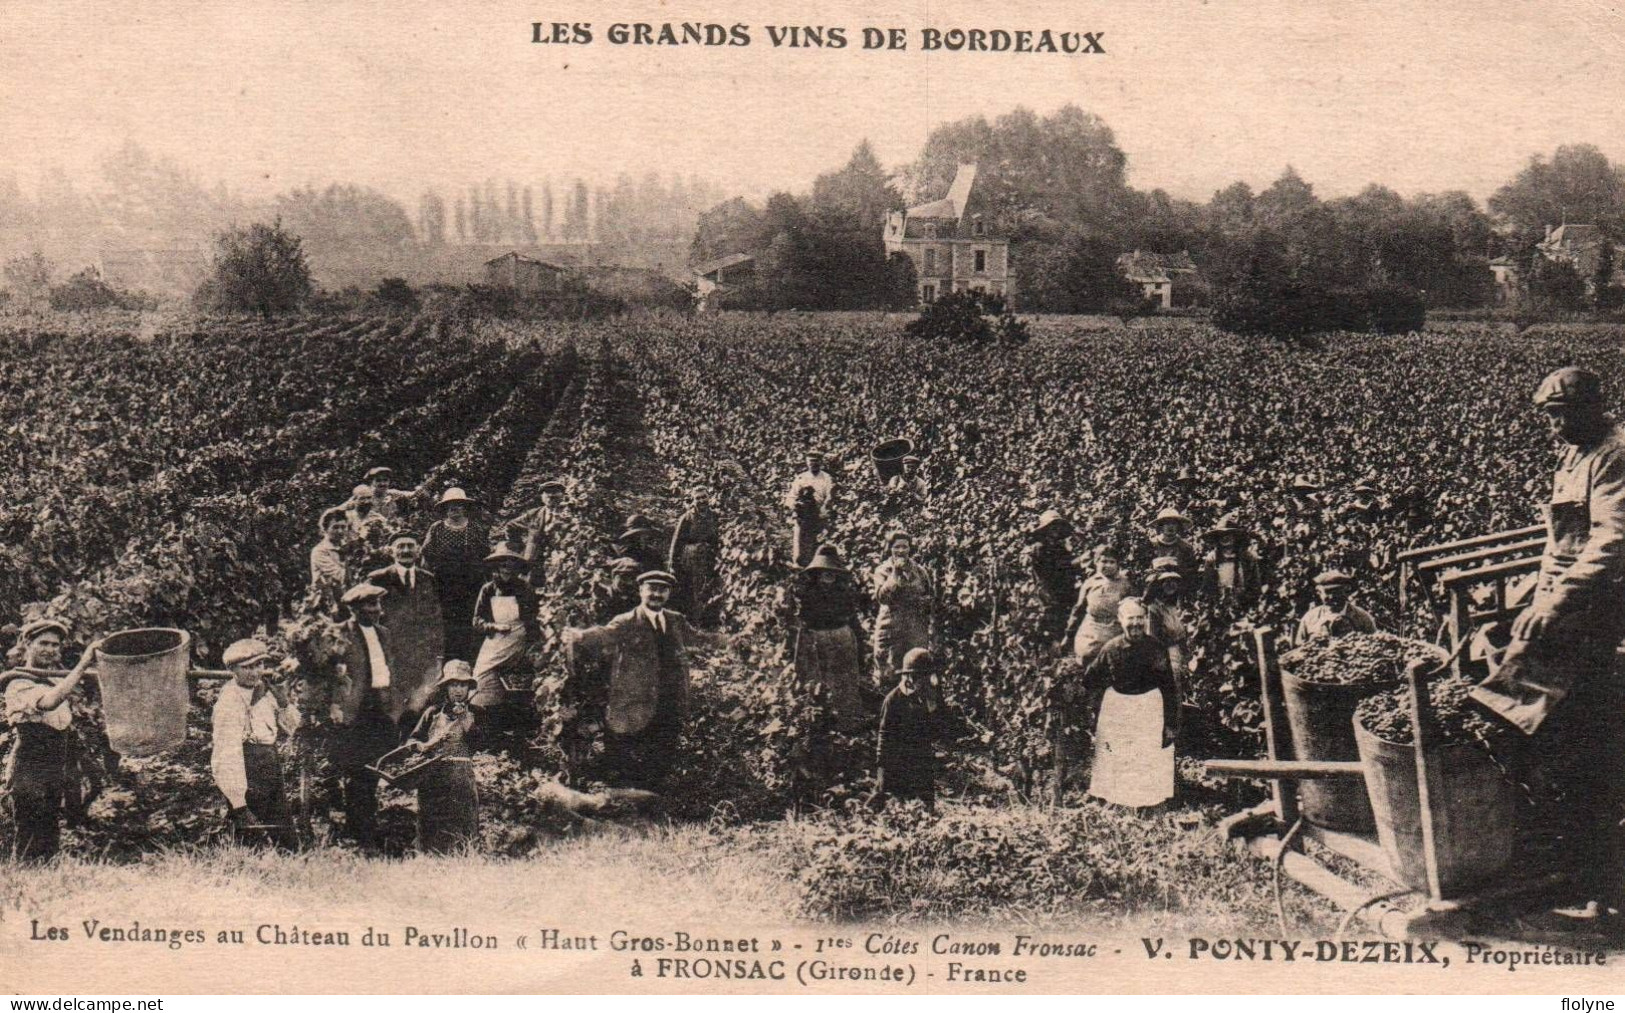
[448,807]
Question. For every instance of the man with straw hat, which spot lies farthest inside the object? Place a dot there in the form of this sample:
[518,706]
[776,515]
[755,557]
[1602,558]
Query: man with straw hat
[647,697]
[249,715]
[41,760]
[366,709]
[1168,539]
[448,802]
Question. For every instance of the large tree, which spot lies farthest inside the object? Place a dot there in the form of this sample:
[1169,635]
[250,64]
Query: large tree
[1579,184]
[260,269]
[344,219]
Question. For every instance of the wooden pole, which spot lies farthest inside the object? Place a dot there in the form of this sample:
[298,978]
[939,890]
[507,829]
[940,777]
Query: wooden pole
[1416,676]
[1277,742]
[195,675]
[1292,769]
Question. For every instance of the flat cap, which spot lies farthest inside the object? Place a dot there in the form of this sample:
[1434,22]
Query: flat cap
[363,592]
[245,652]
[1569,385]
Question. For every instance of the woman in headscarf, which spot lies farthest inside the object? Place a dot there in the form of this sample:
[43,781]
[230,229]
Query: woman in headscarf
[454,551]
[41,760]
[905,592]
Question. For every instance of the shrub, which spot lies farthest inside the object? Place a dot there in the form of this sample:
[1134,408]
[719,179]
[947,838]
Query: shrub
[87,291]
[260,269]
[394,294]
[968,318]
[1292,309]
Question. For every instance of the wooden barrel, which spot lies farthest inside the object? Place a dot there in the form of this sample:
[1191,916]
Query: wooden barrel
[1473,812]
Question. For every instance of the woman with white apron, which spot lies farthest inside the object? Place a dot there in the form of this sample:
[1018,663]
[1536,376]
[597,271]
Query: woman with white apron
[505,615]
[1134,734]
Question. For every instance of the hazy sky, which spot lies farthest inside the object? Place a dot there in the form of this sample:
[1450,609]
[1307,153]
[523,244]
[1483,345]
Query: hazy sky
[400,94]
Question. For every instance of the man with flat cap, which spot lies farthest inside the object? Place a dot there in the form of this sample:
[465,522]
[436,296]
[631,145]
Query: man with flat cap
[1335,615]
[646,697]
[368,702]
[252,711]
[1558,683]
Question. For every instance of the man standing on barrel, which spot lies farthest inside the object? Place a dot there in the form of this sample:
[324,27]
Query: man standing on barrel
[1558,682]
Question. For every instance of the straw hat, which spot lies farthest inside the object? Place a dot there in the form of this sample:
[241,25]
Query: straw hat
[1229,524]
[1049,518]
[504,551]
[31,632]
[920,659]
[455,495]
[456,670]
[1167,514]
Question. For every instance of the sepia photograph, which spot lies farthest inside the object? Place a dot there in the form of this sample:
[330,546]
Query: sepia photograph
[901,498]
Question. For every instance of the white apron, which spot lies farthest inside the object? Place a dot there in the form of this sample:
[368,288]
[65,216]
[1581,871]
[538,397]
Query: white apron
[1131,766]
[497,650]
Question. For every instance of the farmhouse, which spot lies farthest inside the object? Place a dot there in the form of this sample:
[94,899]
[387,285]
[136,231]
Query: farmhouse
[715,278]
[523,274]
[954,243]
[1159,274]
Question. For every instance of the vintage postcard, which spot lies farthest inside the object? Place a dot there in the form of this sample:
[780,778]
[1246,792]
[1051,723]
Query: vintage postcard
[812,498]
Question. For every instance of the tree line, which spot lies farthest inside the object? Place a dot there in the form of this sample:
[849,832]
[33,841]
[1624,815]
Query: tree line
[1057,185]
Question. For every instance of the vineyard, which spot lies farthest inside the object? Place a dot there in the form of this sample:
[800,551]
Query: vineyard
[174,478]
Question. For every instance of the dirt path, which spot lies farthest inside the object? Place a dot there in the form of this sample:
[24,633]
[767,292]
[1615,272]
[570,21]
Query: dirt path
[639,482]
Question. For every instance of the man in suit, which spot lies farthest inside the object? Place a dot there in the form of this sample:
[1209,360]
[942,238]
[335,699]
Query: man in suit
[647,695]
[367,706]
[415,622]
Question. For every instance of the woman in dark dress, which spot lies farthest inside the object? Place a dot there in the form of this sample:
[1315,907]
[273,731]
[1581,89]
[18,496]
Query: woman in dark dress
[454,551]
